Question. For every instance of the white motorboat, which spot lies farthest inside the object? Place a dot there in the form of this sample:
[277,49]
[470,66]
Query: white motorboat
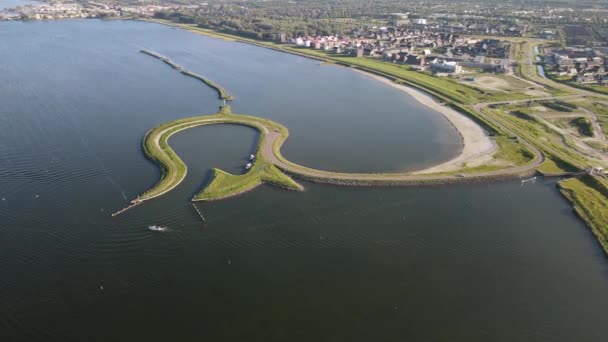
[156,228]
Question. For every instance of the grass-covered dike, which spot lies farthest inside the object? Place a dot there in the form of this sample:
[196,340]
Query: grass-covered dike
[589,196]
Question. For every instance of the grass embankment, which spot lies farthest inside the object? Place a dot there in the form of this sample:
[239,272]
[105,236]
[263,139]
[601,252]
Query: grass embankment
[589,196]
[172,167]
[554,166]
[222,93]
[223,185]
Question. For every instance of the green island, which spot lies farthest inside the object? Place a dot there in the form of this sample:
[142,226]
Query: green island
[223,184]
[517,118]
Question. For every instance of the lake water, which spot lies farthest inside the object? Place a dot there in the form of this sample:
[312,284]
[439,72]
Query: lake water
[499,262]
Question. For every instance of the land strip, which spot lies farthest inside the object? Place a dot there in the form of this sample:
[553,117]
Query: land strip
[589,196]
[222,93]
[269,160]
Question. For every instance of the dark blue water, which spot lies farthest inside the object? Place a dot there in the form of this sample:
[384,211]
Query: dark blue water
[497,262]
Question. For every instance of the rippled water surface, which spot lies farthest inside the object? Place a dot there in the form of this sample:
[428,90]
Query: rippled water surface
[500,262]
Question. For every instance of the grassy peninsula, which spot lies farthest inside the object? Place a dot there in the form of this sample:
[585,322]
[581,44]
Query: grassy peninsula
[589,196]
[224,185]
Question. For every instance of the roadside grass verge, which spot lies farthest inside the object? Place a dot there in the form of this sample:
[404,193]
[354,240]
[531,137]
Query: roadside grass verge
[589,196]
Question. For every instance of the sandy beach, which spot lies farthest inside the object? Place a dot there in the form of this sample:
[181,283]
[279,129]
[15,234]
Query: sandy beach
[477,145]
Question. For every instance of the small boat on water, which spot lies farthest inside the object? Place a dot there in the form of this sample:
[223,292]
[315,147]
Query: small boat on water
[248,166]
[155,228]
[251,157]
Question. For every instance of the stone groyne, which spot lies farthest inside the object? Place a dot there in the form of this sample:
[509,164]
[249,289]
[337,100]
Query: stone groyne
[222,93]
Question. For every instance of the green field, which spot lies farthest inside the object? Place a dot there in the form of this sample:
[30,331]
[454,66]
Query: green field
[555,166]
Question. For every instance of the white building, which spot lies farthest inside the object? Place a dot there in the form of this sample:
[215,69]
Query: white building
[445,67]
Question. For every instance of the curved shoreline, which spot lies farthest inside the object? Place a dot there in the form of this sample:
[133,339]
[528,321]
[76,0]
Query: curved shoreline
[475,141]
[477,146]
